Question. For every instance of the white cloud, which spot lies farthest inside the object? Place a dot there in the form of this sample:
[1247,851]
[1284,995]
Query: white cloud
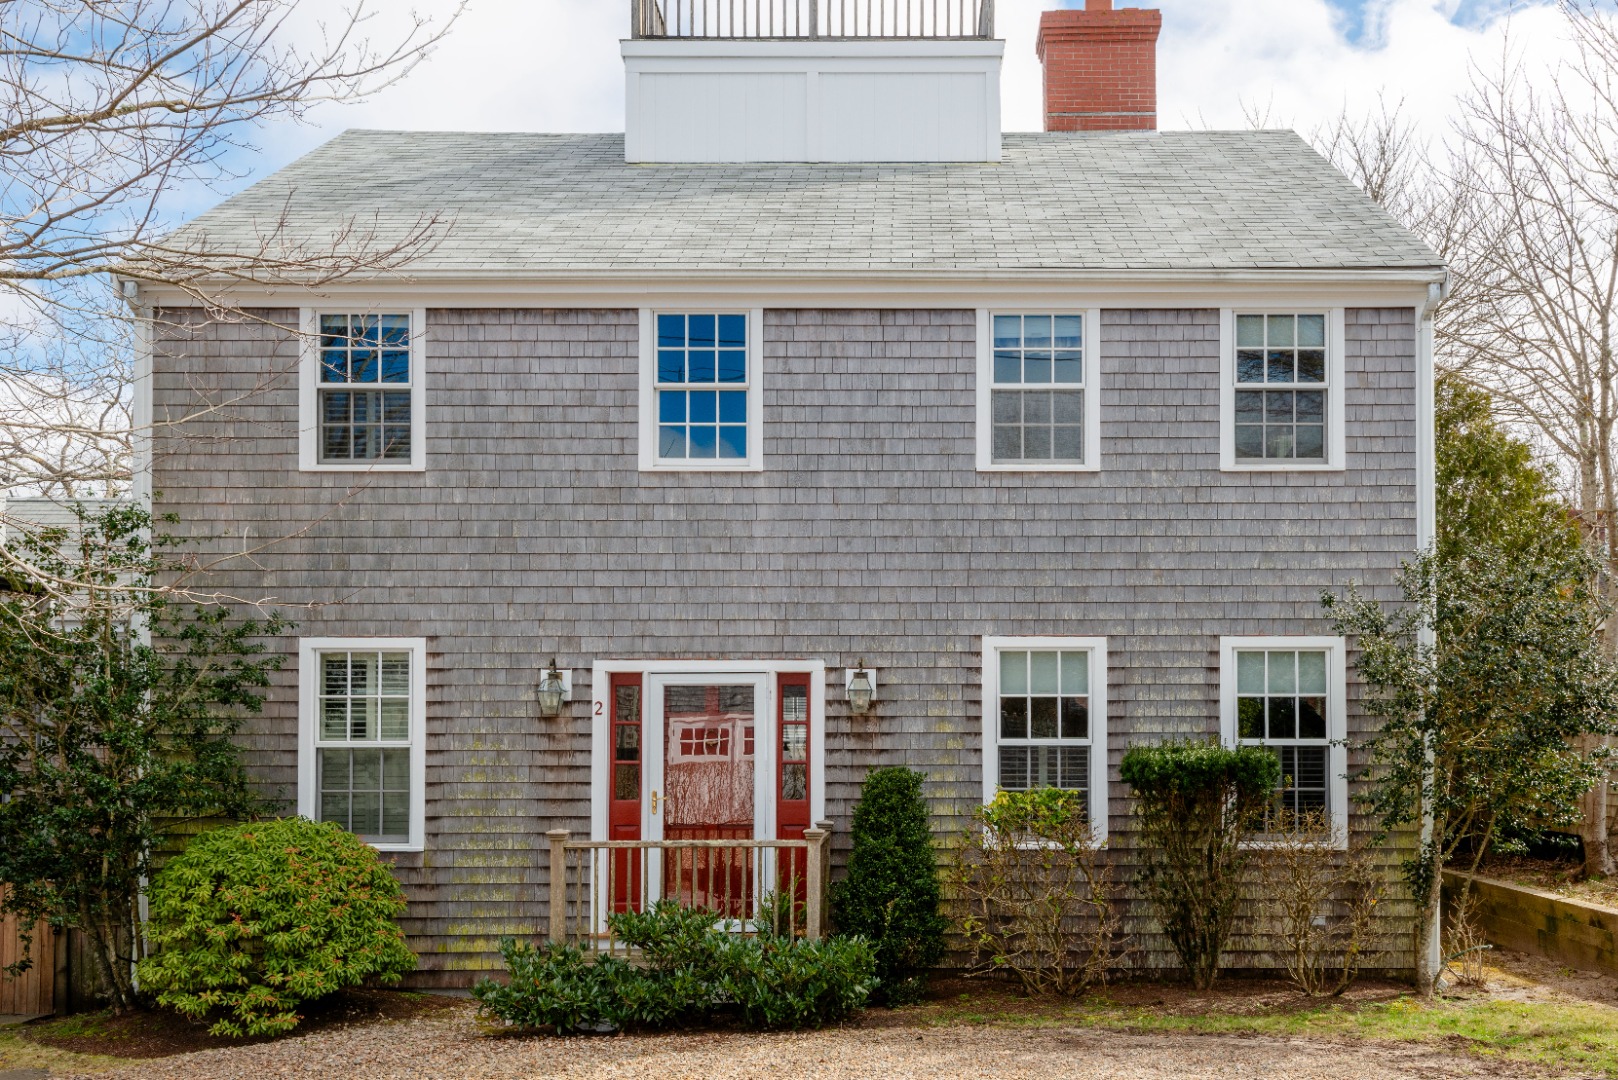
[1291,55]
[553,65]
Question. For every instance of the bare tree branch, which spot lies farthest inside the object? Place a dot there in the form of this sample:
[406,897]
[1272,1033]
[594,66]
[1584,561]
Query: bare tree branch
[108,109]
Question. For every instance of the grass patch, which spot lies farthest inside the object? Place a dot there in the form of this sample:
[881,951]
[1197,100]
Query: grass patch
[1567,1036]
[17,1052]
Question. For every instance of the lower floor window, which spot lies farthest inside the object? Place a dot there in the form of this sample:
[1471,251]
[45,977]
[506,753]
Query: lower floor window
[361,739]
[1303,782]
[1287,695]
[1026,767]
[367,792]
[1045,723]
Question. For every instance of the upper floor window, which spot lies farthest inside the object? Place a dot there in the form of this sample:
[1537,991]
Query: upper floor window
[1288,696]
[1283,398]
[1037,403]
[362,391]
[361,761]
[1045,707]
[700,399]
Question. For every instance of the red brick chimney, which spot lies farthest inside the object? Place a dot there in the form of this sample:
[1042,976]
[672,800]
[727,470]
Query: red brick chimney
[1100,68]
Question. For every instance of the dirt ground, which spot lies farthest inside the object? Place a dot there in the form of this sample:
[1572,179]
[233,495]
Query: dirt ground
[449,1046]
[968,1029]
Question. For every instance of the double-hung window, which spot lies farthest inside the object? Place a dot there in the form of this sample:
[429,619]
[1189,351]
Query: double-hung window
[361,761]
[361,389]
[1045,718]
[1282,397]
[700,400]
[1038,407]
[1287,694]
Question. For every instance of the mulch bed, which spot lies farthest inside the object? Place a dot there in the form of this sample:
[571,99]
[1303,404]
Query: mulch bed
[159,1033]
[956,999]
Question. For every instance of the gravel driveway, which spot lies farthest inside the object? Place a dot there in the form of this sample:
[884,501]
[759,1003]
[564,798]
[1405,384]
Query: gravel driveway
[449,1046]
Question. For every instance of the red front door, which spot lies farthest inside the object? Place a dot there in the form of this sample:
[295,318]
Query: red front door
[707,758]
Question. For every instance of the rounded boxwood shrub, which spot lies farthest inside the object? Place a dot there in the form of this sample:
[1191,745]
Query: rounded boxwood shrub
[891,894]
[251,920]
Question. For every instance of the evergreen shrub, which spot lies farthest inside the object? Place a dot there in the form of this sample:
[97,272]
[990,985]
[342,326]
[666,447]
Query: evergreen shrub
[252,920]
[891,895]
[690,972]
[1197,804]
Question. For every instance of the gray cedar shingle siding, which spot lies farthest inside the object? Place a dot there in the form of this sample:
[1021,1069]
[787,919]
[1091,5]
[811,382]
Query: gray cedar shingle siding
[869,534]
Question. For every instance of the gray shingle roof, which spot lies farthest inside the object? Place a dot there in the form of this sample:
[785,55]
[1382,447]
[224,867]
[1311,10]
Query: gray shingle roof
[547,204]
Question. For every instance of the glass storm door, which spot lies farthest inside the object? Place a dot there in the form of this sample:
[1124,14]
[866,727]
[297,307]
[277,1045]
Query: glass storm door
[708,773]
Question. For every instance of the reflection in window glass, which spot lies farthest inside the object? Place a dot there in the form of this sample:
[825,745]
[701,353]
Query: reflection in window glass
[362,743]
[365,388]
[1280,406]
[1038,386]
[1281,702]
[702,387]
[1044,719]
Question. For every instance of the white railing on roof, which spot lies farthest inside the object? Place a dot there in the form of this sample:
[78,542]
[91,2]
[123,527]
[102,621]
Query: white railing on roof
[754,19]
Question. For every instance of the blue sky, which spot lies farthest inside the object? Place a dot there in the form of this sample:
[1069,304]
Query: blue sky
[1360,17]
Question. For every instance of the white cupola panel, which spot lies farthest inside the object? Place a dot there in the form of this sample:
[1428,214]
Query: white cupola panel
[727,101]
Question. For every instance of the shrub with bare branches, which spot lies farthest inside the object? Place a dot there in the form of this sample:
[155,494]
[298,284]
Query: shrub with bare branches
[1321,902]
[1034,898]
[1465,947]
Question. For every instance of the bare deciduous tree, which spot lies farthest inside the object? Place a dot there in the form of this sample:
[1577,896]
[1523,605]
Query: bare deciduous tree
[110,111]
[1537,163]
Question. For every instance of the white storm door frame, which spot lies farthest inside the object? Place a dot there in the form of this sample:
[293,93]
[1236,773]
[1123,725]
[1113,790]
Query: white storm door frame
[655,749]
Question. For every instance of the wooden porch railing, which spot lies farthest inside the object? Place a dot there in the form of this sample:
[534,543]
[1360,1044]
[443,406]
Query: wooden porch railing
[751,19]
[592,879]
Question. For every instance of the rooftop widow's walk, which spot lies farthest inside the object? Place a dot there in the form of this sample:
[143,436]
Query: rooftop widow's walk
[812,19]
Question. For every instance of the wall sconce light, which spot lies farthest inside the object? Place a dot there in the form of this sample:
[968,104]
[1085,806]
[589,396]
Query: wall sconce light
[555,690]
[861,683]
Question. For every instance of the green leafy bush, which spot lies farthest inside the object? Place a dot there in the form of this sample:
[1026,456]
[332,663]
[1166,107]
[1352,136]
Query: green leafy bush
[891,895]
[1197,804]
[1033,898]
[566,988]
[252,920]
[779,983]
[690,972]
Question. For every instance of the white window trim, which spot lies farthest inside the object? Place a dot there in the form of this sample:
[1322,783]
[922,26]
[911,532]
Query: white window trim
[1336,340]
[1336,711]
[309,650]
[601,720]
[1091,386]
[649,460]
[309,393]
[1097,648]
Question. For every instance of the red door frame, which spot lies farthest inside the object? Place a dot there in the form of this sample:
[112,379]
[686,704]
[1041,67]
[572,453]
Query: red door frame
[792,815]
[626,746]
[627,751]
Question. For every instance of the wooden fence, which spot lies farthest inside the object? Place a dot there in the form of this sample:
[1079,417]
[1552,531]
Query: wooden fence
[33,993]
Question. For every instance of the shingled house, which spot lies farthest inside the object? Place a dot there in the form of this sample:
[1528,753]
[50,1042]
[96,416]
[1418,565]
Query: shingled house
[810,425]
